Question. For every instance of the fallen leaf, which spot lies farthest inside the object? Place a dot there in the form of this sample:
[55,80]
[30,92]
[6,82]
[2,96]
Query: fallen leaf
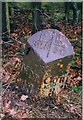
[6,79]
[46,92]
[7,105]
[2,115]
[12,112]
[79,78]
[61,65]
[23,97]
[68,66]
[48,80]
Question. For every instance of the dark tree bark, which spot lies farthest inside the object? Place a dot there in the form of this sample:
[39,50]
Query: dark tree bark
[67,12]
[75,13]
[5,21]
[74,7]
[11,11]
[36,17]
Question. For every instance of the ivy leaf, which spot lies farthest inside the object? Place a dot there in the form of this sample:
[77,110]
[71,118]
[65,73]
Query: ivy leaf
[75,88]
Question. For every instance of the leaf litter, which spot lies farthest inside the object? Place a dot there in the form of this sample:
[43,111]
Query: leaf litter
[16,101]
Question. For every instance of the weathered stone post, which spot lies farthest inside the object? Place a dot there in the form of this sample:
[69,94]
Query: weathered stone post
[47,60]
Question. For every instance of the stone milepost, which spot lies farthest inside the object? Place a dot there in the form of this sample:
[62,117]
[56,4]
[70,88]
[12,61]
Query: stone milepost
[50,45]
[49,49]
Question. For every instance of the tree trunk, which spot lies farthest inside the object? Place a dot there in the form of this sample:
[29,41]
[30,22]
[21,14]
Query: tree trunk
[5,21]
[67,12]
[11,11]
[0,22]
[36,17]
[75,13]
[74,7]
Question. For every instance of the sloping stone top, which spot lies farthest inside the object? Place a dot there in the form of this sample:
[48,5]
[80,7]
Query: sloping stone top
[50,45]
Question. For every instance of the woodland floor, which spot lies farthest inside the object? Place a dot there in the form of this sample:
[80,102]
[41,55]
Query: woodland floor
[16,102]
